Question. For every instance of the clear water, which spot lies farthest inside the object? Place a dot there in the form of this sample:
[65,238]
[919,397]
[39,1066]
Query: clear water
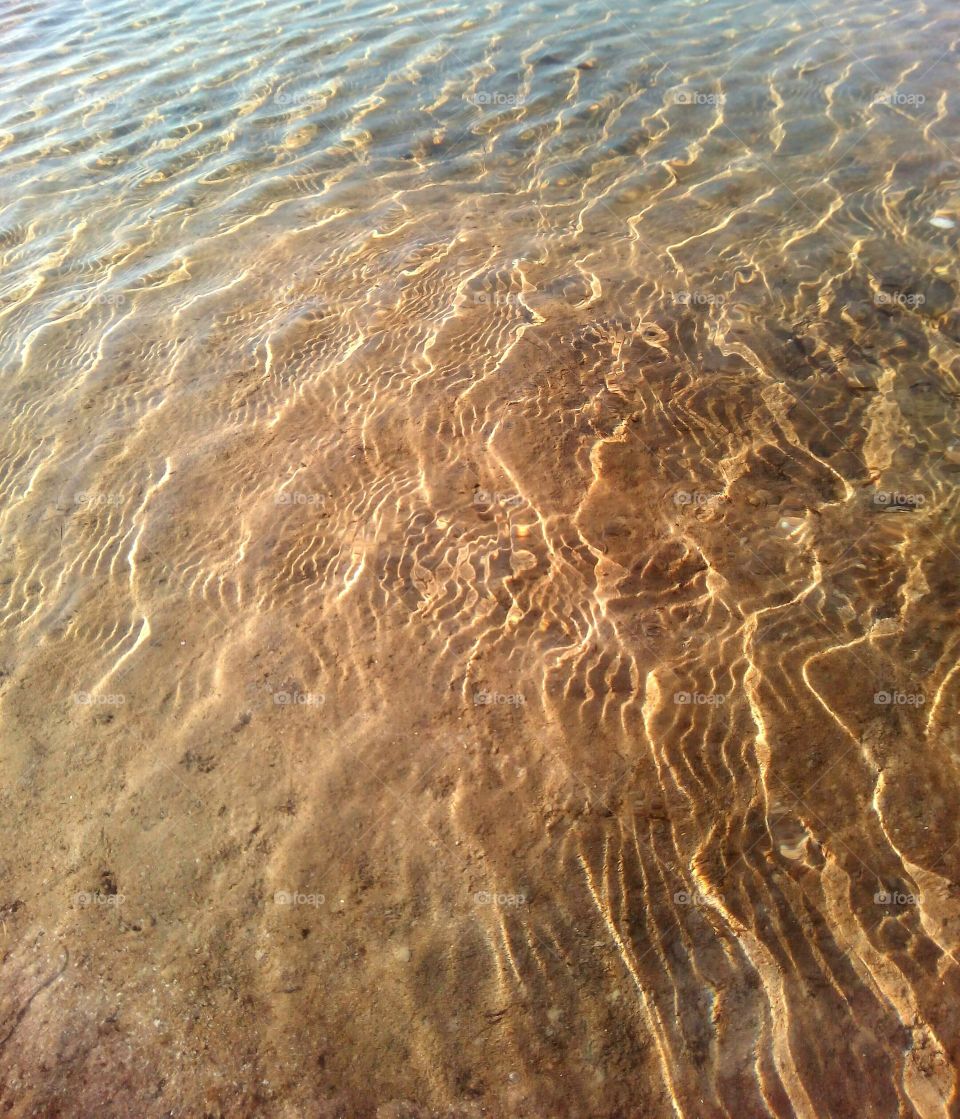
[478,560]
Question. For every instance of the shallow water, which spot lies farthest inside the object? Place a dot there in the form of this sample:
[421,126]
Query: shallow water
[479,560]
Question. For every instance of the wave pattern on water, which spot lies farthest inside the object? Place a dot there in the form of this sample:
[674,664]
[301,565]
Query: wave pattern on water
[489,473]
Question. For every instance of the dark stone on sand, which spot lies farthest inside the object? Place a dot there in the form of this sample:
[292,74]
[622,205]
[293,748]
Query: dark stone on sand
[939,299]
[861,378]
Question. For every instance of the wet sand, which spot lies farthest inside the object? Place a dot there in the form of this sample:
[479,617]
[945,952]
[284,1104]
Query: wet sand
[479,620]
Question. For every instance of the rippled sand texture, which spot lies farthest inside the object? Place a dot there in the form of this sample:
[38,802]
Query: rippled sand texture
[479,561]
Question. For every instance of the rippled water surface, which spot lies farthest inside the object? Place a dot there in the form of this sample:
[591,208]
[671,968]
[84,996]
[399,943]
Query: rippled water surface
[479,559]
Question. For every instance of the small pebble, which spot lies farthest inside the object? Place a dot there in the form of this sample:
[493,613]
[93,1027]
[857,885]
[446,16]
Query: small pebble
[793,852]
[861,378]
[942,223]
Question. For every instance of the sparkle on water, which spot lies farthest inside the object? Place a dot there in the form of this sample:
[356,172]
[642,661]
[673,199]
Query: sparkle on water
[479,559]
